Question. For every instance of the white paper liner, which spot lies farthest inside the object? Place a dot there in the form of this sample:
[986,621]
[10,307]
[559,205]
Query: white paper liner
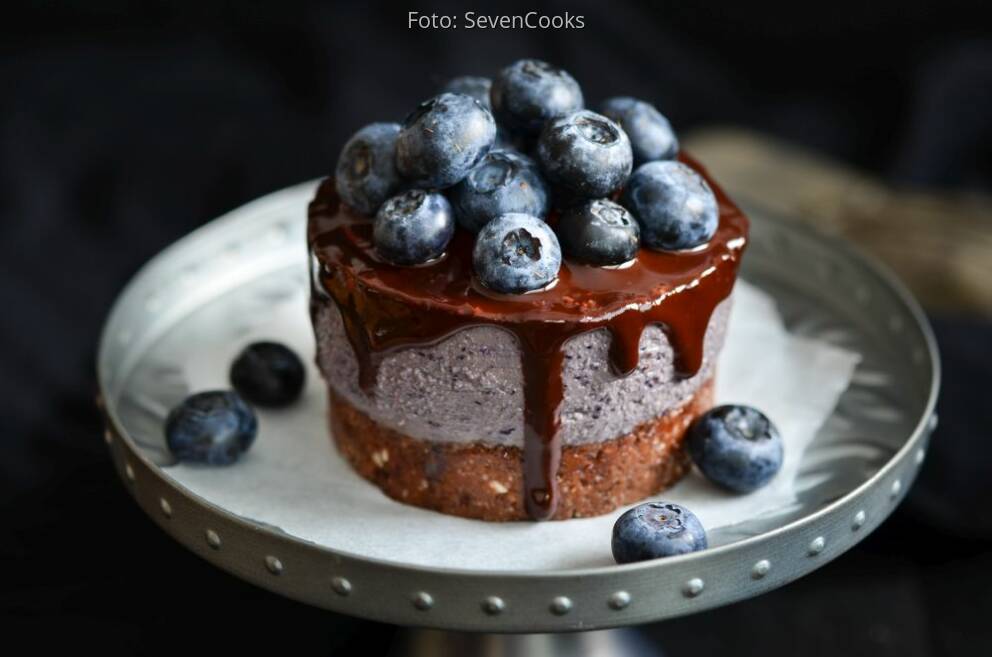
[293,478]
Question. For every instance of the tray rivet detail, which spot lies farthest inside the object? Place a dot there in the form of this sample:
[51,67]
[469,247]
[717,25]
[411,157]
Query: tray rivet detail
[213,539]
[423,600]
[108,437]
[932,422]
[165,506]
[896,489]
[561,605]
[816,546]
[920,455]
[129,472]
[619,600]
[493,605]
[273,564]
[761,569]
[341,586]
[859,520]
[693,587]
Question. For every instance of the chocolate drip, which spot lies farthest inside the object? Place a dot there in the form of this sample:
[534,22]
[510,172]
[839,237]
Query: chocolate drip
[384,308]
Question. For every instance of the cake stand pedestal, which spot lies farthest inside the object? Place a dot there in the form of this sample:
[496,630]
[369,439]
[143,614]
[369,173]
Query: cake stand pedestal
[859,467]
[594,643]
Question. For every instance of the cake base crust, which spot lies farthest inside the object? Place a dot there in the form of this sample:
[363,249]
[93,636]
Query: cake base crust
[486,482]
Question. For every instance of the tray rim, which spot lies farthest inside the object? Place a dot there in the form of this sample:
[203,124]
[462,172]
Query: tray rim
[421,613]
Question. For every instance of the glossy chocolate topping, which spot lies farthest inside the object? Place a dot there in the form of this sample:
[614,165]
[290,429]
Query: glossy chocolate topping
[385,307]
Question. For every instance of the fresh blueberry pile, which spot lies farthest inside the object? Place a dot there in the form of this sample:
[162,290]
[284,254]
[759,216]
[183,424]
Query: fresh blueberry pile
[498,157]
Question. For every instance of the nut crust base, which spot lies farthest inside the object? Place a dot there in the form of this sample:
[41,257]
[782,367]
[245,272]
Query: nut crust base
[485,482]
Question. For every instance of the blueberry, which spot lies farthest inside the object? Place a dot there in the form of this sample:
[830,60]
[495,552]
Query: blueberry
[213,427]
[478,88]
[586,153]
[413,228]
[673,204]
[268,374]
[366,173]
[651,135]
[516,253]
[504,181]
[736,447]
[443,139]
[471,85]
[599,232]
[529,92]
[656,529]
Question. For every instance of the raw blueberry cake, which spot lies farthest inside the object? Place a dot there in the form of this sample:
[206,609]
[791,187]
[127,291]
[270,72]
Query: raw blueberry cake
[518,302]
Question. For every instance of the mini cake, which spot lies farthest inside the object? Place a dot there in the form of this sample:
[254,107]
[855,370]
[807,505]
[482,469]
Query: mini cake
[538,358]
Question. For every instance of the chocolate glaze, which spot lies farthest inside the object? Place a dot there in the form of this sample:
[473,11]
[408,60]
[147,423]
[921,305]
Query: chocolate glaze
[385,307]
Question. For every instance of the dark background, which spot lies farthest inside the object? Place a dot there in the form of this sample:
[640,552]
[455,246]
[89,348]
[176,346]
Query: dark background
[122,128]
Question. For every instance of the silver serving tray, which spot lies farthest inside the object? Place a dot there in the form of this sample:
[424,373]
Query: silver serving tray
[858,468]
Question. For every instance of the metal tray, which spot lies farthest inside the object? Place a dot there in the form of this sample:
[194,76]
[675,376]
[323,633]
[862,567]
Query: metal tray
[859,467]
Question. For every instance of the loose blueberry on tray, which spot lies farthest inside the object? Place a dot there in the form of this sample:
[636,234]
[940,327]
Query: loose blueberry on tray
[214,427]
[413,228]
[268,374]
[516,253]
[586,153]
[443,139]
[529,92]
[366,172]
[656,529]
[736,447]
[651,135]
[504,181]
[599,232]
[674,205]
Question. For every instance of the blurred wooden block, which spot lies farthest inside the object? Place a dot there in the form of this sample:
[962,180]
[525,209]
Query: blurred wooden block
[939,243]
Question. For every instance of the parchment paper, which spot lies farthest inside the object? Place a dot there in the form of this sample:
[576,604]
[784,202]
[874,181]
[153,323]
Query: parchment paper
[293,478]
